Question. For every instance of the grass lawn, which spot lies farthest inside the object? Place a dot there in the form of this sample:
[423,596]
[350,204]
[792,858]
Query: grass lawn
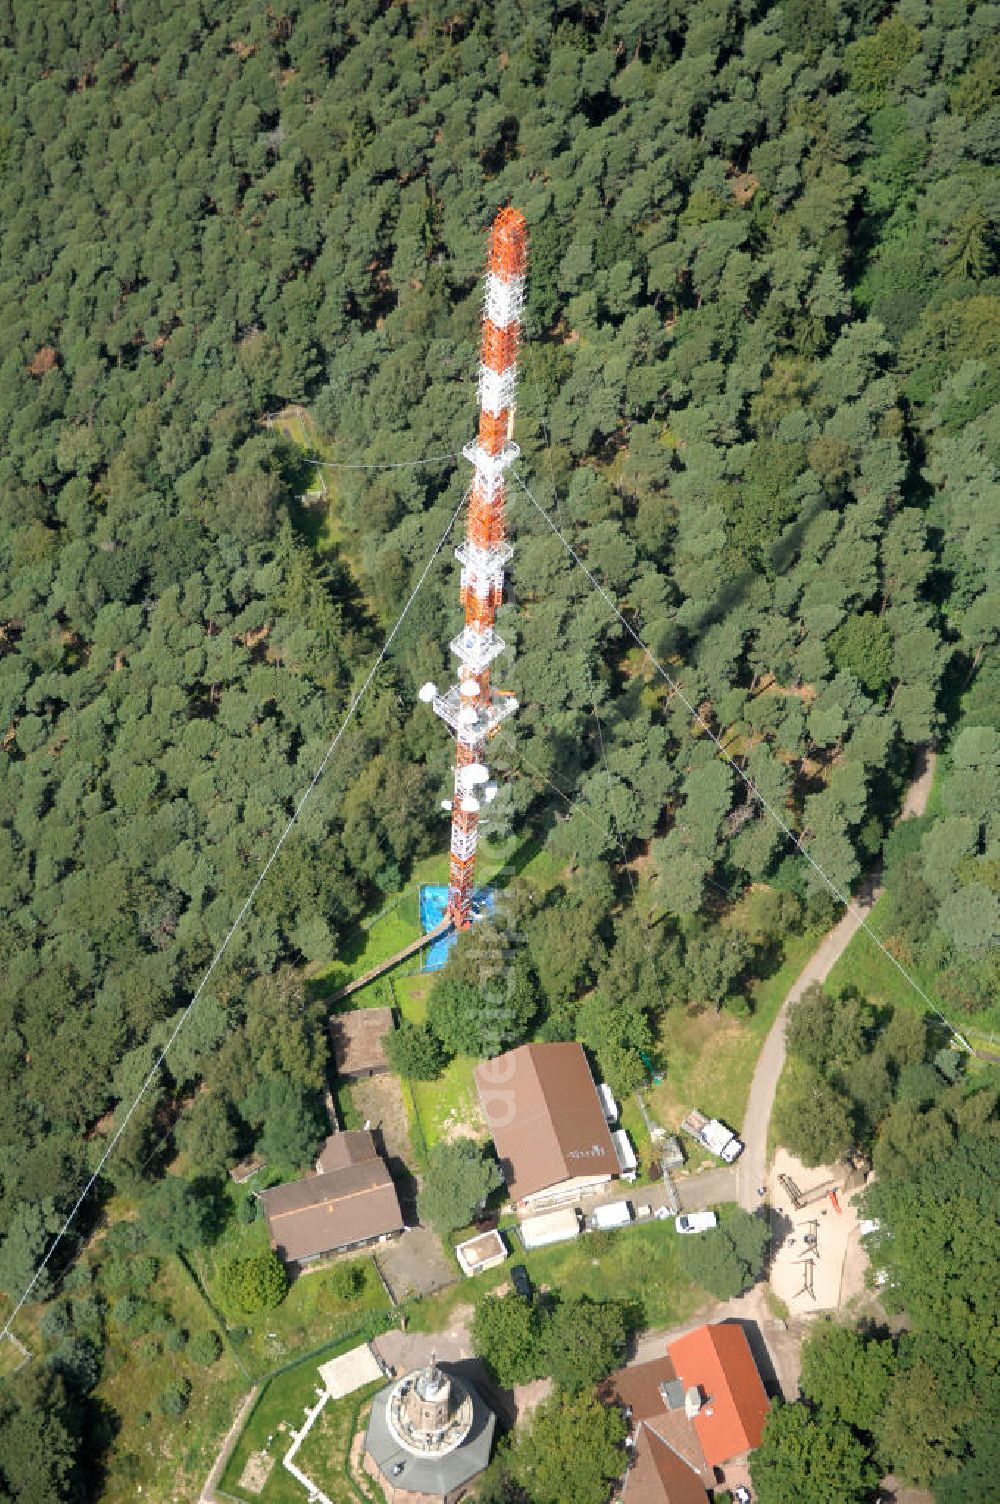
[449,1104]
[449,1107]
[309,1314]
[711,1057]
[398,923]
[279,1410]
[161,1457]
[324,1454]
[639,1264]
[793,1073]
[865,967]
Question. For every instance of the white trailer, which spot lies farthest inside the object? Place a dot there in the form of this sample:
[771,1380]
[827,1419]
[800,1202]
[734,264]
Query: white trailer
[550,1227]
[625,1154]
[714,1136]
[616,1214]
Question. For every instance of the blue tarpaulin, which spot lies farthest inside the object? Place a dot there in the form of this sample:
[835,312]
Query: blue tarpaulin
[433,904]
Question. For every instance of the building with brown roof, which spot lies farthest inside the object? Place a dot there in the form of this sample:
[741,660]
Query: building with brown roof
[542,1108]
[351,1201]
[358,1038]
[699,1406]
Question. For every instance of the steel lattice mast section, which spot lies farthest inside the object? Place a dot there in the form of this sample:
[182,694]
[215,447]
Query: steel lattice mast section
[473,708]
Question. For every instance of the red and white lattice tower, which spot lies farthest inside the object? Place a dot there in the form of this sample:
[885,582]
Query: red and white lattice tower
[473,708]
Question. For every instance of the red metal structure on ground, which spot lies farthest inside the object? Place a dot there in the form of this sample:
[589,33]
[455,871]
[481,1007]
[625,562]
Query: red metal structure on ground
[473,708]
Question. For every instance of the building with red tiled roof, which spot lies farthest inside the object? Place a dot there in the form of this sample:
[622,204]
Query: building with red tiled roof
[700,1405]
[717,1361]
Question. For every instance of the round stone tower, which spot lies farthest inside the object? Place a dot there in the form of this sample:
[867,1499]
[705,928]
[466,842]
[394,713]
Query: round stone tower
[428,1412]
[428,1438]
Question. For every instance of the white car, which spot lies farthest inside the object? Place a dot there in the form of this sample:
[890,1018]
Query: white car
[696,1221]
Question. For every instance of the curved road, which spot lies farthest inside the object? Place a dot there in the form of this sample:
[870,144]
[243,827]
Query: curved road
[752,1164]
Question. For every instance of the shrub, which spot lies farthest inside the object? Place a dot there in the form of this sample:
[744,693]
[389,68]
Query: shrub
[142,1272]
[125,1308]
[254,1284]
[144,1316]
[79,1279]
[115,1272]
[125,1237]
[176,1339]
[88,1311]
[247,1210]
[55,1323]
[346,1280]
[176,1397]
[204,1348]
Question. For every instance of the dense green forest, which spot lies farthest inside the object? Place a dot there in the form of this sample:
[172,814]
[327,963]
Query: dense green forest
[759,394]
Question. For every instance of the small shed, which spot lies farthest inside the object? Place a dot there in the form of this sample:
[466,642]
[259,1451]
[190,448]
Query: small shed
[358,1037]
[485,1251]
[242,1172]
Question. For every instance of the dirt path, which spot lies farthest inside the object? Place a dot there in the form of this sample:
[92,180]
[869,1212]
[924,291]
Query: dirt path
[752,1164]
[208,1493]
[918,793]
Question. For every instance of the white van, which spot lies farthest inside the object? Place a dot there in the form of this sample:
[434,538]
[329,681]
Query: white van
[696,1221]
[617,1214]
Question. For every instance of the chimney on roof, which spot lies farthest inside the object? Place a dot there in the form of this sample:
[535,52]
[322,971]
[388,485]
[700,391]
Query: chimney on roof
[692,1402]
[672,1394]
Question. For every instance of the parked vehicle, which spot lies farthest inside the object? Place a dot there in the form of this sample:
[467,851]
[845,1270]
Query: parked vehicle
[714,1136]
[696,1221]
[617,1214]
[521,1280]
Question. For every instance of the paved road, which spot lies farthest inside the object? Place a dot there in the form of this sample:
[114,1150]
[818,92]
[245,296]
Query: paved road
[698,1192]
[752,1164]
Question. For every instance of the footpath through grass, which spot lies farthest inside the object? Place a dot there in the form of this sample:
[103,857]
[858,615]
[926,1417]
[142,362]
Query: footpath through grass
[280,1410]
